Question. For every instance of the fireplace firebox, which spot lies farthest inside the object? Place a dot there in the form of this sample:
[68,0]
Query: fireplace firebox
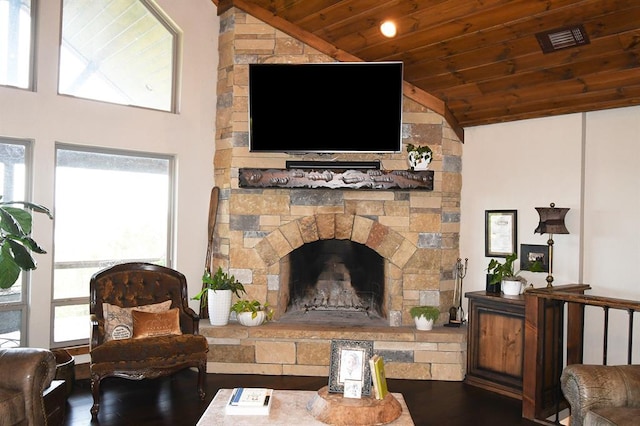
[335,280]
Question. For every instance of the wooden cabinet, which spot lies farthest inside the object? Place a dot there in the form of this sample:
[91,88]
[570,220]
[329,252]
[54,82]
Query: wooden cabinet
[498,348]
[495,354]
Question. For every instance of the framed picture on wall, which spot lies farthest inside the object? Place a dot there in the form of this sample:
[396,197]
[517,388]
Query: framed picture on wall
[530,253]
[500,232]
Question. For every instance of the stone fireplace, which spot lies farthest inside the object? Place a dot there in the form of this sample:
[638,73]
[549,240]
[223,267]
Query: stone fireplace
[295,248]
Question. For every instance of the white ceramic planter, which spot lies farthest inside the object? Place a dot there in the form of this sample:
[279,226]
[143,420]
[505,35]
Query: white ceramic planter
[419,162]
[219,303]
[512,287]
[423,324]
[245,318]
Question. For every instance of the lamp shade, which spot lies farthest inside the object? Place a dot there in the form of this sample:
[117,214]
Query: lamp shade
[551,220]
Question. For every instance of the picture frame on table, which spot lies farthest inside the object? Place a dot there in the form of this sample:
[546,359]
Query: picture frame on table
[349,362]
[500,233]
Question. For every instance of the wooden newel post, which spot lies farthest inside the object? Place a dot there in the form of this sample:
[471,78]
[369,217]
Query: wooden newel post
[545,343]
[532,362]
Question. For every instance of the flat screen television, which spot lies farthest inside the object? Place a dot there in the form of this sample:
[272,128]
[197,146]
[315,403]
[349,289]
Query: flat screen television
[335,107]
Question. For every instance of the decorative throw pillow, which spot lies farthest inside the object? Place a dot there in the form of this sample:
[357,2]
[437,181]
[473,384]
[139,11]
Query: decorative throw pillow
[118,322]
[149,324]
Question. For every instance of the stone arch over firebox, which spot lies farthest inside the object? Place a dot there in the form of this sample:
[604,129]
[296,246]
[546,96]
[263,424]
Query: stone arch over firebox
[388,243]
[404,261]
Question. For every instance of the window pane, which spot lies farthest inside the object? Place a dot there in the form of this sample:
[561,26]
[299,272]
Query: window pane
[15,43]
[72,323]
[75,279]
[10,327]
[117,51]
[110,207]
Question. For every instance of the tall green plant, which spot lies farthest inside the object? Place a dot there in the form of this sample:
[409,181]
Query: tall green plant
[16,243]
[219,281]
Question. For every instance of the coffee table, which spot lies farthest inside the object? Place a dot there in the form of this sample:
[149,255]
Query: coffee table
[289,407]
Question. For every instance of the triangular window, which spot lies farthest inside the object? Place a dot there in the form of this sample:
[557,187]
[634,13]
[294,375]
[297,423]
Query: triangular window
[123,52]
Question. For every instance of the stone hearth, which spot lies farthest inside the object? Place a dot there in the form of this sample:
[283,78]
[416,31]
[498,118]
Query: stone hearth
[304,350]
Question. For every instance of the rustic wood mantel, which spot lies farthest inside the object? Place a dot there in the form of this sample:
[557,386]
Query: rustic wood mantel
[336,179]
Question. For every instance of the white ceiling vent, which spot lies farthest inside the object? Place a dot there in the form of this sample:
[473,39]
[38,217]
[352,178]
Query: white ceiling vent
[562,38]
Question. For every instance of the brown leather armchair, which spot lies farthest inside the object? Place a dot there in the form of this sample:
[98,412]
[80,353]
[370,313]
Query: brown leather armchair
[24,374]
[159,343]
[602,394]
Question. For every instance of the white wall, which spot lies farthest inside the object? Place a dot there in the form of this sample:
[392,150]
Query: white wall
[611,226]
[587,162]
[47,118]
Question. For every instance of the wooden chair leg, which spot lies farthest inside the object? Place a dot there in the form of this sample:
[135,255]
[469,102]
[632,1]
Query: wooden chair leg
[202,377]
[95,391]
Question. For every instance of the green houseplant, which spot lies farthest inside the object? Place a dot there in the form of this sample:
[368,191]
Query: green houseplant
[219,281]
[424,316]
[499,272]
[16,243]
[252,312]
[218,289]
[429,312]
[419,156]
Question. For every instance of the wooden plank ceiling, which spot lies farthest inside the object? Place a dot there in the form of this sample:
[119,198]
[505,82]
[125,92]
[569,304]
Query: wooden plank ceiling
[478,61]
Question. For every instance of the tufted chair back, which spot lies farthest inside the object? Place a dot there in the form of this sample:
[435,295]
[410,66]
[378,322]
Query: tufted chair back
[135,284]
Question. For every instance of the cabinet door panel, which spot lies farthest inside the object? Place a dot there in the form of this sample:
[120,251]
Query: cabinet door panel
[503,343]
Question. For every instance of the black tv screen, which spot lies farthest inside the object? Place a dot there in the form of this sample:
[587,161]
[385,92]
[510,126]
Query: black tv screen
[326,107]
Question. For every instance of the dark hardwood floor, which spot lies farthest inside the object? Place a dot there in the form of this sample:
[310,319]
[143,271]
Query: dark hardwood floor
[174,401]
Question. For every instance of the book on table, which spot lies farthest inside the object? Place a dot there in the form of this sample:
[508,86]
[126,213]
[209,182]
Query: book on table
[249,402]
[379,379]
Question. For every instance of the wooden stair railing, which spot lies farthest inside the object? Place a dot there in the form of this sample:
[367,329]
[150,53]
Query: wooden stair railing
[548,341]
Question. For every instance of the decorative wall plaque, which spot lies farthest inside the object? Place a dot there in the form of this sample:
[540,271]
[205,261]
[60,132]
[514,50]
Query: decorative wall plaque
[336,179]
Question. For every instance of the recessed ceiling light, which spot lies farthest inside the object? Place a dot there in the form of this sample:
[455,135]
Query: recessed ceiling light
[388,29]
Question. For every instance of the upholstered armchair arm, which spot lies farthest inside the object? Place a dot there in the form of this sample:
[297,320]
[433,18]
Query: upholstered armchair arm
[587,387]
[29,371]
[95,336]
[189,321]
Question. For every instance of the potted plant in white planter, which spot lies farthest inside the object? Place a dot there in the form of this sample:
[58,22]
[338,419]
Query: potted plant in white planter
[16,243]
[218,289]
[419,156]
[252,312]
[504,275]
[424,316]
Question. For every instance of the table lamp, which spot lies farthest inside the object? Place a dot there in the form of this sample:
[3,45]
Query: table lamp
[551,222]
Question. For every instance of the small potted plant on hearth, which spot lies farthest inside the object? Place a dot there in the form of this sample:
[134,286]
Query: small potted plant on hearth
[424,316]
[419,157]
[218,289]
[252,312]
